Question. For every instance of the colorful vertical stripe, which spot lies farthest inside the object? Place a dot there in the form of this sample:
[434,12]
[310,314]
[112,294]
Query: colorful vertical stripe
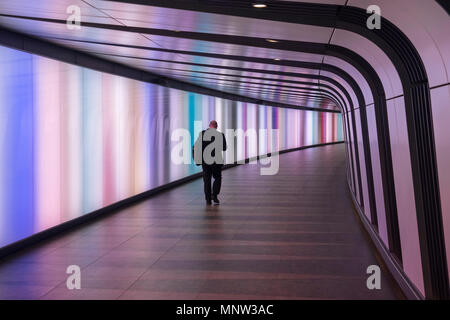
[73,140]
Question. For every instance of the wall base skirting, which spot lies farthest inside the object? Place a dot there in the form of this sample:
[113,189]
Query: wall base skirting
[408,288]
[115,207]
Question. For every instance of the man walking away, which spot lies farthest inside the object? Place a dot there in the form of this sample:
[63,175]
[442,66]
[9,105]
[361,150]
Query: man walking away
[207,151]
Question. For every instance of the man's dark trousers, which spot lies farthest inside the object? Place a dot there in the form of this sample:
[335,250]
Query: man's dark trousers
[214,171]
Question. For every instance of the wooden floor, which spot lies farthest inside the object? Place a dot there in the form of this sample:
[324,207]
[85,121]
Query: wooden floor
[289,236]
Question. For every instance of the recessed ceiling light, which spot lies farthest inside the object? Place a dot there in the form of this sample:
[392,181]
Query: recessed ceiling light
[271,40]
[277,59]
[259,5]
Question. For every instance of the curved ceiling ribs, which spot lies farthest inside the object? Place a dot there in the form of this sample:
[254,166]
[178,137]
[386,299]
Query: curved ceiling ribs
[265,61]
[253,70]
[153,31]
[416,92]
[46,48]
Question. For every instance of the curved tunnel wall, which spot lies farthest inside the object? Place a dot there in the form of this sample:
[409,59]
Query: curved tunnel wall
[74,140]
[435,55]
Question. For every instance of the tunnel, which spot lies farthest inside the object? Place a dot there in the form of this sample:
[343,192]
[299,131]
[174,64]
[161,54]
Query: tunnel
[336,177]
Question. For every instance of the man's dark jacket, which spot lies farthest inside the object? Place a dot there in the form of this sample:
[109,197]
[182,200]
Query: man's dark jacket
[205,143]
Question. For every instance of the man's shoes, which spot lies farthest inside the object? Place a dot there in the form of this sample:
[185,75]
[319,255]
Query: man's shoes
[216,201]
[208,202]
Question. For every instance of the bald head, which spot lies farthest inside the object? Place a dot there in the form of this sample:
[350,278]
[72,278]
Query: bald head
[213,124]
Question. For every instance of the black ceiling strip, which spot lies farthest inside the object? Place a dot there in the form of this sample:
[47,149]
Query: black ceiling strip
[264,61]
[321,97]
[286,45]
[314,48]
[240,76]
[185,52]
[301,92]
[317,98]
[273,72]
[218,56]
[282,87]
[169,61]
[341,73]
[215,67]
[337,93]
[42,47]
[302,89]
[273,92]
[312,86]
[308,76]
[282,73]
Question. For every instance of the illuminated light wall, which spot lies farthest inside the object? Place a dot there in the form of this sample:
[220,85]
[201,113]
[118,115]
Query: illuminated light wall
[74,140]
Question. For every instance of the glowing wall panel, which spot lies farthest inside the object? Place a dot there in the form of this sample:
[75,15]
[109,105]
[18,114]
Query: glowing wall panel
[74,140]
